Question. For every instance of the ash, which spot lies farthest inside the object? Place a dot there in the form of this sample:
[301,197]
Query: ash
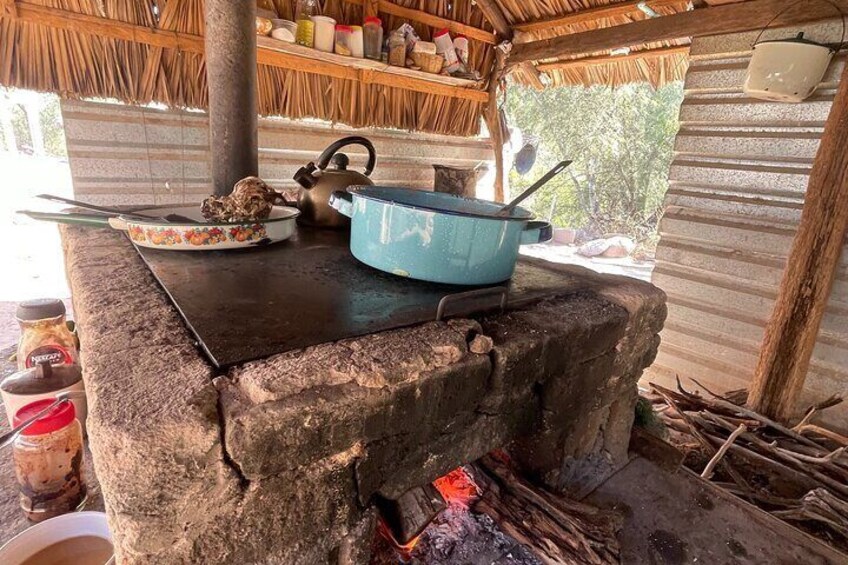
[459,536]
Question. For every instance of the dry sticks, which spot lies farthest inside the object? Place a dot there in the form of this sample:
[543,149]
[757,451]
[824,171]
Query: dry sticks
[805,468]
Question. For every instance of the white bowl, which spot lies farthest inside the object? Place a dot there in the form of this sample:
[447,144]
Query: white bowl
[67,526]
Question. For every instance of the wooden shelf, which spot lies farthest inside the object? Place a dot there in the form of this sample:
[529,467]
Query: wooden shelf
[269,52]
[289,55]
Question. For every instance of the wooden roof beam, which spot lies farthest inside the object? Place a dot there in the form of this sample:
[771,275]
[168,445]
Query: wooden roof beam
[495,16]
[607,59]
[730,18]
[629,8]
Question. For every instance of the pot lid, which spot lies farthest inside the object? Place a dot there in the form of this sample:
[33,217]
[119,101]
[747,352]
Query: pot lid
[799,39]
[439,202]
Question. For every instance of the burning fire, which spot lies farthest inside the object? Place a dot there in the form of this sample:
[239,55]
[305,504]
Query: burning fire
[457,488]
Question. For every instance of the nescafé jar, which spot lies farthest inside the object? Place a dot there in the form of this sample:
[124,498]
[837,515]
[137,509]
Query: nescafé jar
[48,456]
[45,337]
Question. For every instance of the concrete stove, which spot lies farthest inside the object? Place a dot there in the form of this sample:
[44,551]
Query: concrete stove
[279,460]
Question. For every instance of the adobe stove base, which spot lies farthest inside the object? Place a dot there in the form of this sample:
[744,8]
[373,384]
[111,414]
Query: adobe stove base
[279,460]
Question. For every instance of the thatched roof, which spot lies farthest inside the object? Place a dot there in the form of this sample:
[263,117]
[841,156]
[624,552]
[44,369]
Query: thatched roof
[541,19]
[142,51]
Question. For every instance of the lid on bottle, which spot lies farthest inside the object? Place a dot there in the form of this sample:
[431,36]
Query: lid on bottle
[460,37]
[40,309]
[442,32]
[344,28]
[42,379]
[60,416]
[374,20]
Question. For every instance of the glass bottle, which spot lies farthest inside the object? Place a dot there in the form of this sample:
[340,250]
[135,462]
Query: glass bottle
[45,337]
[48,457]
[305,34]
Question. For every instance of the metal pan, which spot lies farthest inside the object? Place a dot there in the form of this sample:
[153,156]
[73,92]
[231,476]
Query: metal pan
[195,235]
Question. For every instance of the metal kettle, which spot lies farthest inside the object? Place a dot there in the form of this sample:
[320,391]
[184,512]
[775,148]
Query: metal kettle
[320,180]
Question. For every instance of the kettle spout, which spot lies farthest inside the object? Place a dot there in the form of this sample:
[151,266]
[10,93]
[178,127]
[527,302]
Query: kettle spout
[305,177]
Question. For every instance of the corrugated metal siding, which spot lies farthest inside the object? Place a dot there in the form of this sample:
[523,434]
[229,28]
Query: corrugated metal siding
[735,198]
[132,155]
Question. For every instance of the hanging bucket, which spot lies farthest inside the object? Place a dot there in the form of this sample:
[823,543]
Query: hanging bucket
[789,70]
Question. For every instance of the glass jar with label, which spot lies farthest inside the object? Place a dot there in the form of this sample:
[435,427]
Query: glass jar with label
[45,337]
[48,457]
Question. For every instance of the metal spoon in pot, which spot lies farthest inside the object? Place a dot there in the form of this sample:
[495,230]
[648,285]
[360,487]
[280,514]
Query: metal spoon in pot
[507,210]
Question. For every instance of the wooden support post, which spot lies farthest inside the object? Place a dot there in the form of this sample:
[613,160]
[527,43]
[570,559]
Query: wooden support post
[811,267]
[493,123]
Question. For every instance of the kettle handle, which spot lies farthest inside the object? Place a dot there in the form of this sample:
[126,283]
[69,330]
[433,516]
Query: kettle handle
[324,159]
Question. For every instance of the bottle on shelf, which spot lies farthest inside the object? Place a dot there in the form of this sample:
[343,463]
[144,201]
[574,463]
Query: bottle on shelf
[305,34]
[372,35]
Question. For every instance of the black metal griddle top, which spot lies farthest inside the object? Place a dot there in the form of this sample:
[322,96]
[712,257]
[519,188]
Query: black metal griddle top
[249,304]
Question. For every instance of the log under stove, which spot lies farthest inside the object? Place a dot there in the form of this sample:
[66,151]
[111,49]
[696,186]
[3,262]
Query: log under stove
[281,459]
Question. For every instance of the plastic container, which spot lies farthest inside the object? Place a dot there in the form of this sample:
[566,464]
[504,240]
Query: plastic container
[397,49]
[460,45]
[284,30]
[325,33]
[305,33]
[45,337]
[344,40]
[38,383]
[372,35]
[357,46]
[445,48]
[48,458]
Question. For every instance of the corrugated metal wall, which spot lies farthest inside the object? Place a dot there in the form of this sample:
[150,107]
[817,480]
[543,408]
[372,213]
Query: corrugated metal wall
[737,189]
[132,155]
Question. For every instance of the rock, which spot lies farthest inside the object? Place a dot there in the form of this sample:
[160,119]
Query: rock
[481,345]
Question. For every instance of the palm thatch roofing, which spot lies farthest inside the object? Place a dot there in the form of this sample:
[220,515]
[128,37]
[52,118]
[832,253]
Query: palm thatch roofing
[143,51]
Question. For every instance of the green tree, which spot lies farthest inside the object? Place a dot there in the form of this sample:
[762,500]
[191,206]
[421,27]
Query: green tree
[621,142]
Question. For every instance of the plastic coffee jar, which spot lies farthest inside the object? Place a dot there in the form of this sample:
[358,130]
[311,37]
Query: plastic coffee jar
[45,381]
[48,456]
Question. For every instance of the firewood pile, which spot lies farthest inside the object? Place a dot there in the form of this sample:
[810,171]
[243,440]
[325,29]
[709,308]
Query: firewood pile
[798,474]
[554,528]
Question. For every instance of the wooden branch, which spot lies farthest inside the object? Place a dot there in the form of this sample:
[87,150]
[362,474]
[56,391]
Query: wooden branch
[708,470]
[628,8]
[431,20]
[609,59]
[823,432]
[371,8]
[792,331]
[754,14]
[113,29]
[495,16]
[556,530]
[492,117]
[734,409]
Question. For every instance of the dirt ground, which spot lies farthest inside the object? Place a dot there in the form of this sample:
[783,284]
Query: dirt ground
[30,251]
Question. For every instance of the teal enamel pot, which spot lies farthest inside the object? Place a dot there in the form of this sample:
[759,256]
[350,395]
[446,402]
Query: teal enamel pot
[436,237]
